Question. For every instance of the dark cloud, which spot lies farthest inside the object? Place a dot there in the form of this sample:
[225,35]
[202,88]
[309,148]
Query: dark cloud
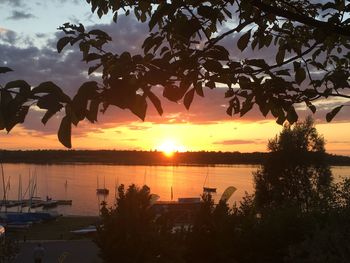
[37,65]
[41,35]
[325,107]
[19,15]
[137,128]
[339,142]
[234,142]
[130,139]
[8,36]
[21,3]
[15,3]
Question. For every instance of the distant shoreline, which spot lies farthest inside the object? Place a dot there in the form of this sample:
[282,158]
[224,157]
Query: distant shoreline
[148,158]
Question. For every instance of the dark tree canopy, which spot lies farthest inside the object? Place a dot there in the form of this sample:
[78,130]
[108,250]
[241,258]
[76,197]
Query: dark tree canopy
[295,175]
[288,53]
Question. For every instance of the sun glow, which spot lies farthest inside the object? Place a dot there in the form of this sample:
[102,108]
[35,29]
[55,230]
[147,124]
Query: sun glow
[169,147]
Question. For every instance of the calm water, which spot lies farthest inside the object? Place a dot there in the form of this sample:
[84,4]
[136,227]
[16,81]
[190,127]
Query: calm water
[82,180]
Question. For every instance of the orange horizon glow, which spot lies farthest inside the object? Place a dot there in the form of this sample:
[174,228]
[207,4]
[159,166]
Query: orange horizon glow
[227,136]
[169,147]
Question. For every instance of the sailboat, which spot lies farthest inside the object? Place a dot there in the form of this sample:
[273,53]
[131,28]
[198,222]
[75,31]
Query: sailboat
[104,190]
[206,189]
[22,219]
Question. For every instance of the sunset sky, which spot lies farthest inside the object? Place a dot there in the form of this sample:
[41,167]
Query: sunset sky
[28,36]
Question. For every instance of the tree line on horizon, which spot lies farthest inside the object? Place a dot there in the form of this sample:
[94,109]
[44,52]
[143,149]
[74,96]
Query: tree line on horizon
[145,157]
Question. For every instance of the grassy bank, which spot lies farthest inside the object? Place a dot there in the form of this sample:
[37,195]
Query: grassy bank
[55,230]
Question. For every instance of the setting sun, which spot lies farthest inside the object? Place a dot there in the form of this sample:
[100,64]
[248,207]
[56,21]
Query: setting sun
[168,147]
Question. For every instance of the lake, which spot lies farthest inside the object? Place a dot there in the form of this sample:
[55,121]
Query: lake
[78,182]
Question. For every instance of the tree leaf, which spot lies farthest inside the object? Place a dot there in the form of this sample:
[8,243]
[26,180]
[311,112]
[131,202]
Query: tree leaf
[5,70]
[156,102]
[243,40]
[264,108]
[206,11]
[199,89]
[331,115]
[292,116]
[5,98]
[281,119]
[246,106]
[310,106]
[2,121]
[91,57]
[261,63]
[210,84]
[23,85]
[139,107]
[88,89]
[93,68]
[62,43]
[280,56]
[300,75]
[64,132]
[212,65]
[18,117]
[189,98]
[51,88]
[218,52]
[100,33]
[283,72]
[47,87]
[50,103]
[47,116]
[229,110]
[93,111]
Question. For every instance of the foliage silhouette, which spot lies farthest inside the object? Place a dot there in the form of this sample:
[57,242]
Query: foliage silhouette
[130,231]
[8,249]
[185,52]
[297,214]
[208,240]
[295,174]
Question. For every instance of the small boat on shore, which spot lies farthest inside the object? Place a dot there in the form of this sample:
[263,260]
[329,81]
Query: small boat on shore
[85,231]
[18,225]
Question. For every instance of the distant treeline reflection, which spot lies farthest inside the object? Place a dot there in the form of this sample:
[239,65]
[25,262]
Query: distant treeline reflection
[145,157]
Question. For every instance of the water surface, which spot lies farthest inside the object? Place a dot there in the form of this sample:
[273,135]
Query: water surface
[78,182]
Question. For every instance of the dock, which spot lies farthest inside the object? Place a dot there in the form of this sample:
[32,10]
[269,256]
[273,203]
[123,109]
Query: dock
[34,203]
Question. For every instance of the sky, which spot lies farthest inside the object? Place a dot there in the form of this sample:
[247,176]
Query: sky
[28,37]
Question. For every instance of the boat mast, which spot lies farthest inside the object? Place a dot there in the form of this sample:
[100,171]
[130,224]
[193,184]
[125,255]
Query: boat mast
[3,187]
[20,193]
[116,186]
[171,194]
[206,177]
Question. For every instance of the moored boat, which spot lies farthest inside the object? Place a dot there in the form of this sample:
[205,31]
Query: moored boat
[209,190]
[49,204]
[27,217]
[102,191]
